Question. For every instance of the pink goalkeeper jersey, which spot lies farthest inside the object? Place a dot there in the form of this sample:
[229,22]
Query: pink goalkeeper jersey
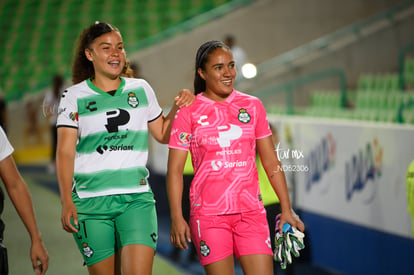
[221,137]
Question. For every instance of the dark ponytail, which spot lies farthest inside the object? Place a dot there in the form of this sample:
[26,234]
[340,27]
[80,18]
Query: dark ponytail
[202,55]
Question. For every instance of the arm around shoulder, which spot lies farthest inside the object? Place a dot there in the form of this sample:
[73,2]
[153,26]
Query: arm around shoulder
[161,127]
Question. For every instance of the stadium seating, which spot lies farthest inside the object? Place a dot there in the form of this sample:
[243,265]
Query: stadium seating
[40,43]
[40,34]
[377,98]
[409,71]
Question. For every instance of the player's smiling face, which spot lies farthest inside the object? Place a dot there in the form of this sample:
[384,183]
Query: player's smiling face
[219,74]
[107,54]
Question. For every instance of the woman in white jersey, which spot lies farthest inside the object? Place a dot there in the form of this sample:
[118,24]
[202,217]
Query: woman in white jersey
[103,125]
[22,201]
[222,129]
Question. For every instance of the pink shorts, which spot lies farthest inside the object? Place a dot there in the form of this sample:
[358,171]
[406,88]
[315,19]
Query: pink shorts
[217,237]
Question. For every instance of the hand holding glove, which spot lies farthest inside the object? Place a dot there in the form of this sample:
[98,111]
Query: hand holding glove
[290,241]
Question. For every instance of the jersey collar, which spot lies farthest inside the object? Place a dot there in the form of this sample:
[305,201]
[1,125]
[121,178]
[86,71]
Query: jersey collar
[227,100]
[96,89]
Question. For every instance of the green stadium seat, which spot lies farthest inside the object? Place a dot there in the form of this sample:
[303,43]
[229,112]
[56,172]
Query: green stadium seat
[326,98]
[408,116]
[380,83]
[409,71]
[276,109]
[53,26]
[389,116]
[394,83]
[366,82]
[362,100]
[380,101]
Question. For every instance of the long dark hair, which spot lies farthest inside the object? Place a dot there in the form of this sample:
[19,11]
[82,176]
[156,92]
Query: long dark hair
[57,84]
[202,56]
[82,68]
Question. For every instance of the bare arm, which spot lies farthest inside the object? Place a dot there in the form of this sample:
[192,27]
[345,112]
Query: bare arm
[180,231]
[4,116]
[65,163]
[161,127]
[274,171]
[22,201]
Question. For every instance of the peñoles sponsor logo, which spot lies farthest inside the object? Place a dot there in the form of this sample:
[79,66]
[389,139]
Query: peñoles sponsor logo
[229,152]
[116,137]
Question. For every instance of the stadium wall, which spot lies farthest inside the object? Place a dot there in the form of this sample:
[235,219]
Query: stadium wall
[264,29]
[348,182]
[375,53]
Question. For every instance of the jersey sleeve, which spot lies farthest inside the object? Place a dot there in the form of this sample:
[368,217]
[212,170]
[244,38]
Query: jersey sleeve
[6,149]
[154,109]
[262,126]
[181,130]
[68,111]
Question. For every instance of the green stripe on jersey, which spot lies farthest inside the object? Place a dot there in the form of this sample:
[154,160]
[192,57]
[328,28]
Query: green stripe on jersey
[111,179]
[104,102]
[136,140]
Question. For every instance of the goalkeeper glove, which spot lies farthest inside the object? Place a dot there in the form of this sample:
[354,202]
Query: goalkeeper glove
[294,239]
[290,241]
[280,253]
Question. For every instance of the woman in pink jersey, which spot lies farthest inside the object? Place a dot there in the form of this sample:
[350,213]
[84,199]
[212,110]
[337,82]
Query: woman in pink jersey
[222,129]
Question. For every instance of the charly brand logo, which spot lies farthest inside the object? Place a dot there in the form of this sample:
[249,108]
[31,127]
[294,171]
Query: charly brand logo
[319,160]
[202,121]
[363,170]
[154,237]
[92,106]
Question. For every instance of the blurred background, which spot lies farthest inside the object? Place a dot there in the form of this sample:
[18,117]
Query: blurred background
[336,78]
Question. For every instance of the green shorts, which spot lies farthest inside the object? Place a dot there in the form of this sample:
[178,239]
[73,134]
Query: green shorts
[108,223]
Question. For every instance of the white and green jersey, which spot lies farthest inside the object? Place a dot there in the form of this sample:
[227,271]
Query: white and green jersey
[6,149]
[112,147]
